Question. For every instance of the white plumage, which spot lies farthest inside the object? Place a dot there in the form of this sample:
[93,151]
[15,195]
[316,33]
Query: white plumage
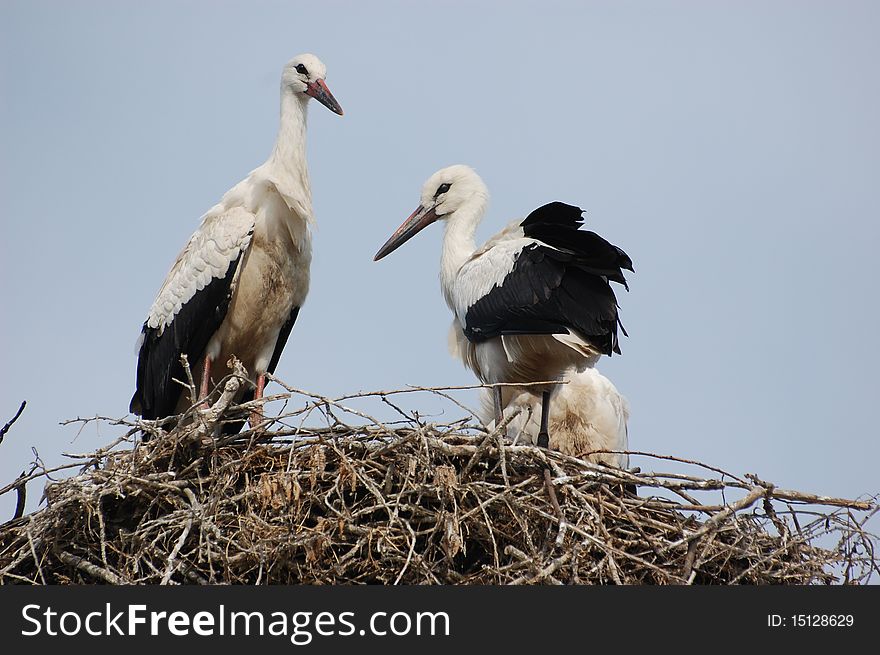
[587,414]
[237,286]
[532,304]
[220,239]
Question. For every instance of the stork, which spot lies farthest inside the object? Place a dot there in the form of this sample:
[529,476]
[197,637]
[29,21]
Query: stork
[238,284]
[588,414]
[531,304]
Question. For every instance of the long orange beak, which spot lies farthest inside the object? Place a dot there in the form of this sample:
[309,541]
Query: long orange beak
[417,221]
[319,91]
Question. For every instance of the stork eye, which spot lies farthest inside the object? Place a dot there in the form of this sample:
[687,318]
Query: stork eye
[301,69]
[443,188]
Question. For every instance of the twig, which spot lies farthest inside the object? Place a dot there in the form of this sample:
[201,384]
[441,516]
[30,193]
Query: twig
[352,500]
[718,518]
[21,498]
[91,569]
[9,423]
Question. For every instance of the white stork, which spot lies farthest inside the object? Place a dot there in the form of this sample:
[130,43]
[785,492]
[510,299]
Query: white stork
[534,302]
[237,286]
[588,414]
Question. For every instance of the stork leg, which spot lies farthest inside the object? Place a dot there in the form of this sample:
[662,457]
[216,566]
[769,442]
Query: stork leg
[544,442]
[203,387]
[257,414]
[543,434]
[499,412]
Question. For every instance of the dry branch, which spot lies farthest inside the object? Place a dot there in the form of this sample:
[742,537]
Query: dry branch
[355,500]
[9,423]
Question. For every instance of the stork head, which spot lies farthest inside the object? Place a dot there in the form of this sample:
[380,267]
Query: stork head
[444,195]
[305,74]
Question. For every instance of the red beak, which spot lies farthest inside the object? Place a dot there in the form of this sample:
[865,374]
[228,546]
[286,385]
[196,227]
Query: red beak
[319,91]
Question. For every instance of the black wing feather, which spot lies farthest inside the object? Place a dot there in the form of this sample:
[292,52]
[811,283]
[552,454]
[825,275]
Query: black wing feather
[557,287]
[557,225]
[157,394]
[555,213]
[283,335]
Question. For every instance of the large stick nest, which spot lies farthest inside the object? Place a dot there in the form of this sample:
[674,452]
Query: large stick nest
[411,503]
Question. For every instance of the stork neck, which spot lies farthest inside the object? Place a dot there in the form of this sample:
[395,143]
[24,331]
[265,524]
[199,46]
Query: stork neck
[458,246]
[288,160]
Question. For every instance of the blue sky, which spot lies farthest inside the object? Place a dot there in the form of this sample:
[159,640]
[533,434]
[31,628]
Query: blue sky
[732,148]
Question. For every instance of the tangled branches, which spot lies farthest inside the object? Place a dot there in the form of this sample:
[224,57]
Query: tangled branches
[411,502]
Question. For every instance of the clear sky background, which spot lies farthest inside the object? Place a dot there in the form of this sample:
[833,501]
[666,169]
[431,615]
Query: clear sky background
[731,148]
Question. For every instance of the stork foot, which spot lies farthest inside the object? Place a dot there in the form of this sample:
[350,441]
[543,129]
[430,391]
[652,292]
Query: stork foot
[256,417]
[203,387]
[543,440]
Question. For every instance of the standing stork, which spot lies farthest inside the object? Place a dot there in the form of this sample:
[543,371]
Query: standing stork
[530,305]
[238,284]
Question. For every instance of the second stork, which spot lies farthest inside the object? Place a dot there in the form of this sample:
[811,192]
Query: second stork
[534,302]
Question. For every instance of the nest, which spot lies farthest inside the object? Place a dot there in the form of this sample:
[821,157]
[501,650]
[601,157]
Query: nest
[411,502]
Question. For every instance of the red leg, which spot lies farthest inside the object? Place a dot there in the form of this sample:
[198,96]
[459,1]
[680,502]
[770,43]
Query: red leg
[257,414]
[206,377]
